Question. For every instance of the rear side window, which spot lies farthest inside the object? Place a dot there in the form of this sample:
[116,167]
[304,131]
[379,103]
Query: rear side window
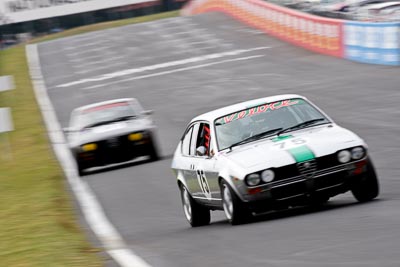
[186,141]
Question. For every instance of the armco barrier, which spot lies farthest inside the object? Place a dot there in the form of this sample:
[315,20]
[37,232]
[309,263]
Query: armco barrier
[376,43]
[318,34]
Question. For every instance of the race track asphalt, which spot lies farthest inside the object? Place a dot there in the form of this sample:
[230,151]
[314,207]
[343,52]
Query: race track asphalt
[142,200]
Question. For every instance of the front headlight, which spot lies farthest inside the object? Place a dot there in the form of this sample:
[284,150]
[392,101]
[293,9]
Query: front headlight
[267,176]
[253,179]
[89,147]
[344,156]
[135,137]
[357,153]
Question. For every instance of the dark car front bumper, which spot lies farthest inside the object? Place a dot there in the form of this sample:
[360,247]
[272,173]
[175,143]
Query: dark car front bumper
[115,150]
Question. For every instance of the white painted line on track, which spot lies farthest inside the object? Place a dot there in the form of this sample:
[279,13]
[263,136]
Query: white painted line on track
[89,51]
[91,209]
[102,67]
[84,58]
[103,61]
[79,46]
[172,71]
[202,42]
[161,65]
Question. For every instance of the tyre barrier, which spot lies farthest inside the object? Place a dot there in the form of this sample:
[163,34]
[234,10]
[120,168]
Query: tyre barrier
[375,43]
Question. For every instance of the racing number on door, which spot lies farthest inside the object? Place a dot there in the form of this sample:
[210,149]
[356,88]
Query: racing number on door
[205,188]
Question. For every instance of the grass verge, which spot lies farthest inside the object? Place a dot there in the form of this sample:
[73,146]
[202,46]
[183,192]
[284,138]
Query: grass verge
[38,222]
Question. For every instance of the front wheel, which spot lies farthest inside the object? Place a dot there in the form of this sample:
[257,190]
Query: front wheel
[234,208]
[81,168]
[368,187]
[196,214]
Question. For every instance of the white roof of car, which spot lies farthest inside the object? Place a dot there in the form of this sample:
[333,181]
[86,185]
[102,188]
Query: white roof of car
[105,103]
[215,114]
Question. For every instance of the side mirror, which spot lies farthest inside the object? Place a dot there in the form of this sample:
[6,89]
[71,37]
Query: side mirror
[147,112]
[201,151]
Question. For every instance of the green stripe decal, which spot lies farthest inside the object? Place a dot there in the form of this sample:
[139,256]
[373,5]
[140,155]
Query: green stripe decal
[281,137]
[301,153]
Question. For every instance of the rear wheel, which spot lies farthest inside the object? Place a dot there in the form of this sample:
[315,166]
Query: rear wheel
[153,153]
[196,214]
[368,187]
[234,208]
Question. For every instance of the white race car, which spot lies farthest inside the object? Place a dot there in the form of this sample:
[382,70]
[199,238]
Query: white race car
[267,154]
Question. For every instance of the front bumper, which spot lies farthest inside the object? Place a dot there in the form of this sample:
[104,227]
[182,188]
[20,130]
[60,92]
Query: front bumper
[322,183]
[114,150]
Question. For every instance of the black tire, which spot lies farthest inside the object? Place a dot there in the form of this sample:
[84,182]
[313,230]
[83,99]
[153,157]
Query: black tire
[153,153]
[368,187]
[80,169]
[195,214]
[235,210]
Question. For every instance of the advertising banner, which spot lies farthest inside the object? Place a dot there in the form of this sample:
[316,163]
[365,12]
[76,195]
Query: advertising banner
[375,43]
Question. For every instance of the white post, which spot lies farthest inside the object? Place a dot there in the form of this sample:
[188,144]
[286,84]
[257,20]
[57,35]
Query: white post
[6,123]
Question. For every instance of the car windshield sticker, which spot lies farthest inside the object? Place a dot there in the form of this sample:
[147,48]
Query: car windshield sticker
[256,110]
[301,153]
[119,104]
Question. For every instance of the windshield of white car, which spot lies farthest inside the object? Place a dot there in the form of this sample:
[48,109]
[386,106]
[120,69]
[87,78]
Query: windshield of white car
[266,120]
[257,136]
[106,114]
[302,125]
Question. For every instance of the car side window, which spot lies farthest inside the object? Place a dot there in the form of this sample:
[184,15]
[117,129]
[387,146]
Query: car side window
[186,141]
[193,141]
[204,138]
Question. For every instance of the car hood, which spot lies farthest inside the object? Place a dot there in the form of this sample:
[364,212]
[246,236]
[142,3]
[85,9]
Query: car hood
[103,132]
[280,151]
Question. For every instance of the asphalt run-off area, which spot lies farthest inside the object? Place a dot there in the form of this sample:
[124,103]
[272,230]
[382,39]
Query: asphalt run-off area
[184,66]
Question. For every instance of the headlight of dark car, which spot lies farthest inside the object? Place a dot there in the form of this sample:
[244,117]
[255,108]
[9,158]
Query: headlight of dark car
[89,147]
[135,136]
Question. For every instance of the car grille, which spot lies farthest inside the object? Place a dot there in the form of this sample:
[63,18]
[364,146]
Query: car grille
[113,142]
[118,149]
[307,168]
[327,161]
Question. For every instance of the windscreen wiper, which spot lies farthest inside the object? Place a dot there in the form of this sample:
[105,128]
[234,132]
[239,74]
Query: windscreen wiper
[98,124]
[255,137]
[301,125]
[124,118]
